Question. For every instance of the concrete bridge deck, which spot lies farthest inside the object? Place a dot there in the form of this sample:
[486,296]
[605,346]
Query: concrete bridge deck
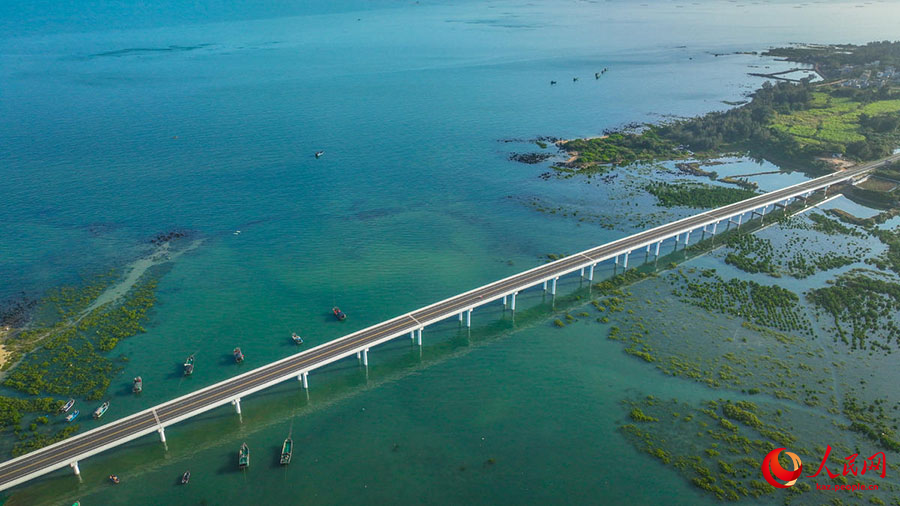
[70,451]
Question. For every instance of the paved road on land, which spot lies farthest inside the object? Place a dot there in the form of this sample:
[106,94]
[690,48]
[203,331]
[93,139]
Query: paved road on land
[78,446]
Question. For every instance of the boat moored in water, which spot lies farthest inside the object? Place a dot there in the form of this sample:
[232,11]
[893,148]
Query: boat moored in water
[138,385]
[238,355]
[186,477]
[113,478]
[319,154]
[189,366]
[73,415]
[244,456]
[287,451]
[338,313]
[297,339]
[101,409]
[67,406]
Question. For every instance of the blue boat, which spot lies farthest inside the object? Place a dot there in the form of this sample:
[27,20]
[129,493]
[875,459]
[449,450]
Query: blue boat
[73,415]
[297,339]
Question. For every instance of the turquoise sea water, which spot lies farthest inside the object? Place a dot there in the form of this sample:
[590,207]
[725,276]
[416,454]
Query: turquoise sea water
[120,123]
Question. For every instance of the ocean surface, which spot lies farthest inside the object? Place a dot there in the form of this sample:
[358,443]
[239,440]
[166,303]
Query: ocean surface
[121,122]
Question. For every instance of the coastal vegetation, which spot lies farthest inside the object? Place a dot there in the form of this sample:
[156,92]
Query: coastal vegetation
[71,361]
[696,195]
[865,303]
[768,305]
[788,121]
[64,353]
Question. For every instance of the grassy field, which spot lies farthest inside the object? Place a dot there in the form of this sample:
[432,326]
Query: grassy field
[831,121]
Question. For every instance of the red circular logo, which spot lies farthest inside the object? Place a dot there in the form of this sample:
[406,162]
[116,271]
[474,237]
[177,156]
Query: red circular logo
[772,469]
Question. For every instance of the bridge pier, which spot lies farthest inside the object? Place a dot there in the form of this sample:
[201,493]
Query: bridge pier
[582,272]
[419,336]
[716,224]
[469,318]
[162,435]
[553,289]
[237,405]
[687,238]
[625,262]
[460,316]
[74,466]
[365,355]
[591,272]
[545,285]
[657,249]
[513,301]
[504,301]
[412,335]
[305,379]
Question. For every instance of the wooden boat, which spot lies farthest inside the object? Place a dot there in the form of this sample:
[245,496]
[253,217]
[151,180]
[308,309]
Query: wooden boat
[101,409]
[67,406]
[287,450]
[113,478]
[186,477]
[189,366]
[73,415]
[138,385]
[238,355]
[297,339]
[338,313]
[244,456]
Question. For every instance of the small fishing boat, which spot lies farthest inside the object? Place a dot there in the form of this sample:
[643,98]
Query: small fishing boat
[189,366]
[138,385]
[297,339]
[338,313]
[73,415]
[186,477]
[67,406]
[238,355]
[319,154]
[244,456]
[101,409]
[113,478]
[287,450]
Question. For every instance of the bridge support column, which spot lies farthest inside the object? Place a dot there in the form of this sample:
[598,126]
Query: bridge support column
[616,260]
[74,466]
[412,335]
[419,336]
[504,301]
[591,272]
[545,285]
[162,434]
[657,249]
[365,354]
[469,318]
[460,315]
[237,405]
[513,301]
[582,272]
[553,288]
[305,377]
[716,224]
[687,238]
[625,263]
[358,356]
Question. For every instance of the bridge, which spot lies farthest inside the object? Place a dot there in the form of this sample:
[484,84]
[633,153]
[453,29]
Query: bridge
[69,452]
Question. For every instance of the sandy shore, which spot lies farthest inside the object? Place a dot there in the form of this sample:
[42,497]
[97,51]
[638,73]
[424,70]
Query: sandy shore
[4,355]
